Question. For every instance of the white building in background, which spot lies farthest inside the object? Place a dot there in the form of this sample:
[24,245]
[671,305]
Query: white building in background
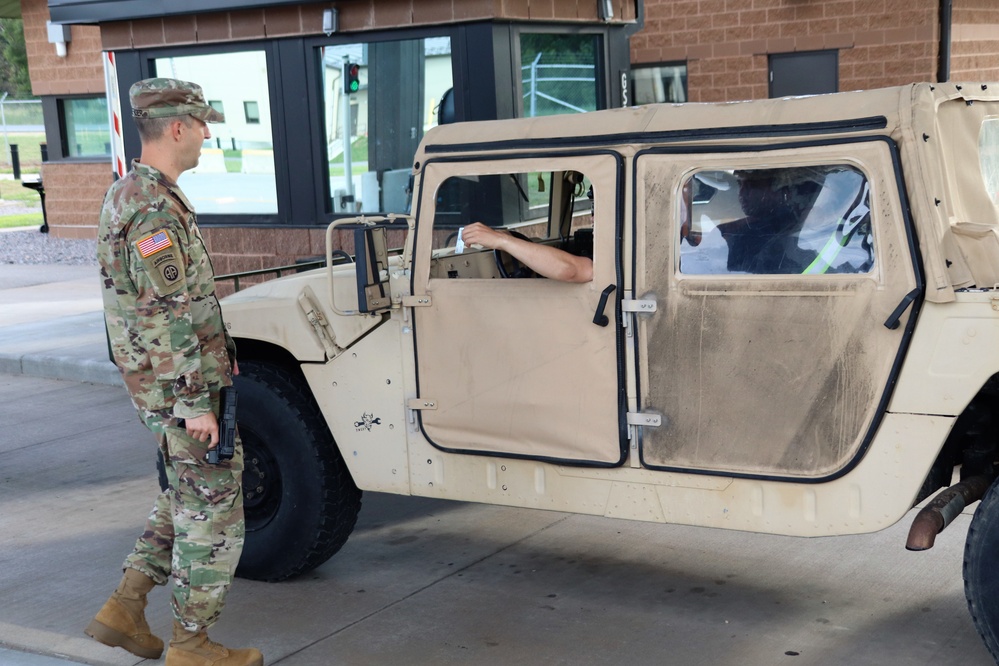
[236,85]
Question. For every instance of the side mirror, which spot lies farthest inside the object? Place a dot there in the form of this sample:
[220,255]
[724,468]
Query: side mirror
[371,264]
[371,261]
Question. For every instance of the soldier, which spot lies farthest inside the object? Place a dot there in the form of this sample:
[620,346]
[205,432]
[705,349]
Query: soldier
[169,342]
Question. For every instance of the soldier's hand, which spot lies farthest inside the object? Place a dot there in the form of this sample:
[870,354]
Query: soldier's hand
[204,428]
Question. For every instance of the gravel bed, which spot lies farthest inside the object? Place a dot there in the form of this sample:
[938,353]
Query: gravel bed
[32,247]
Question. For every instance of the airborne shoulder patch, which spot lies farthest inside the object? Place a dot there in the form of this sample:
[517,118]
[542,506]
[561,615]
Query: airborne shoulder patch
[162,262]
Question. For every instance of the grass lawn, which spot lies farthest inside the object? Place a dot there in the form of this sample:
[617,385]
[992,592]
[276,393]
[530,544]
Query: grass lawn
[12,190]
[358,151]
[28,149]
[233,160]
[21,220]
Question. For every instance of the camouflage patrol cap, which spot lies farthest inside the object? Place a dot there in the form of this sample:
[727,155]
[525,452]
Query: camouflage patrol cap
[160,98]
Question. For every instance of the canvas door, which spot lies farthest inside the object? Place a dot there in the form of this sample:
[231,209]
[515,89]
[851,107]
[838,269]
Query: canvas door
[516,367]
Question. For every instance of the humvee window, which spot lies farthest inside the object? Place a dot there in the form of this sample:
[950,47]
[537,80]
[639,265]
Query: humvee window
[810,220]
[552,207]
[988,155]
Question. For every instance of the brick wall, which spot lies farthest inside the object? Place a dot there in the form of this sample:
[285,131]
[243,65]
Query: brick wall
[240,249]
[73,191]
[73,196]
[358,16]
[726,42]
[975,41]
[80,72]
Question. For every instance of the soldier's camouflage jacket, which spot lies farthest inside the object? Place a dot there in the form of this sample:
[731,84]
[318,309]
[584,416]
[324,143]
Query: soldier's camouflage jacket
[164,320]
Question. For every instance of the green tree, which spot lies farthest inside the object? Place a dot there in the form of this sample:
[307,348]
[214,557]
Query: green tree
[14,77]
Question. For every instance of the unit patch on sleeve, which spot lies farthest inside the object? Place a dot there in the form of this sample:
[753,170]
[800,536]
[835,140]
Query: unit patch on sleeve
[162,261]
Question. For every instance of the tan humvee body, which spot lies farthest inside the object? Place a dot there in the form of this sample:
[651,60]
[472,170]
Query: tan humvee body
[792,328]
[770,402]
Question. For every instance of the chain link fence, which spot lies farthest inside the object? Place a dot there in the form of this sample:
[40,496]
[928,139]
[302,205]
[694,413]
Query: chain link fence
[21,125]
[554,88]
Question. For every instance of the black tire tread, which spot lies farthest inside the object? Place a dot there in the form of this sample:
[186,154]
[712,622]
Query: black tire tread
[980,560]
[341,499]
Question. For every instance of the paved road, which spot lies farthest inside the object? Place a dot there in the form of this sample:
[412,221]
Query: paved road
[425,581]
[432,582]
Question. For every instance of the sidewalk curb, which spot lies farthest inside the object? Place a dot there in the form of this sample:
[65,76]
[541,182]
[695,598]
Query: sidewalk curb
[50,366]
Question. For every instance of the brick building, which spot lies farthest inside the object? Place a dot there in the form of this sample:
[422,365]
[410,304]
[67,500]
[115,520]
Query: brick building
[747,49]
[278,172]
[287,132]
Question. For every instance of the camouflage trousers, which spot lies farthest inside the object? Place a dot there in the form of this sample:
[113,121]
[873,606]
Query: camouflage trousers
[195,531]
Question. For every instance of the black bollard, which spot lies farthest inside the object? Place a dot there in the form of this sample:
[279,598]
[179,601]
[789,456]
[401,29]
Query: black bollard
[15,161]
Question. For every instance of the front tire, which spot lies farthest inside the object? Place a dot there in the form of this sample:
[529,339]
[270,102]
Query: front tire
[981,570]
[300,501]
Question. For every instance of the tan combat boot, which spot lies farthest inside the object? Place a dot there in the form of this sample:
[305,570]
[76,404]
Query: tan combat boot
[190,648]
[122,623]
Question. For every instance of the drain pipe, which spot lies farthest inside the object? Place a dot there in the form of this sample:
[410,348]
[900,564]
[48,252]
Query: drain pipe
[946,22]
[942,511]
[639,23]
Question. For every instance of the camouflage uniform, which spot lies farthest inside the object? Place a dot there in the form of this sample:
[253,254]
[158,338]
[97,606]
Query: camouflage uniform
[169,342]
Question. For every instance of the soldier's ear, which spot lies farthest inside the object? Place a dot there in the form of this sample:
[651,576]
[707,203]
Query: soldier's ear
[177,127]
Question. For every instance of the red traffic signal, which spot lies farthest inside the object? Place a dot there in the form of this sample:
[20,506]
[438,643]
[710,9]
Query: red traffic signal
[351,77]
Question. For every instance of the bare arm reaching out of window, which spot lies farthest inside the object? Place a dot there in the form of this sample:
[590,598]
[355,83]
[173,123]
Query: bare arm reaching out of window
[543,259]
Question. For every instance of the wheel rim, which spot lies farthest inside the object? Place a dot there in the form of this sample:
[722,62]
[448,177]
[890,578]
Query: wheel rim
[262,488]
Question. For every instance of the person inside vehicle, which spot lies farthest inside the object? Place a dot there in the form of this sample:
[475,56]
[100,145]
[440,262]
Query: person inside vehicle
[547,261]
[775,204]
[687,231]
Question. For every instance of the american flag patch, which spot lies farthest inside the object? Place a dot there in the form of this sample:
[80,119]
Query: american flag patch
[153,244]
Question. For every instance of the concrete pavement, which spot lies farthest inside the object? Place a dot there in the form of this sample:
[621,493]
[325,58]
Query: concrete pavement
[425,581]
[51,323]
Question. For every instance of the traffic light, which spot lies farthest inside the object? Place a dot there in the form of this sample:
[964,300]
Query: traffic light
[351,77]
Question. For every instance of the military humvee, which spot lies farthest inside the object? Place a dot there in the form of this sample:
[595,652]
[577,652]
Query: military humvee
[792,328]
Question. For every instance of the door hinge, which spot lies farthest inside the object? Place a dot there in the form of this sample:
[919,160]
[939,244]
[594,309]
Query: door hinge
[421,403]
[647,419]
[639,305]
[418,301]
[418,405]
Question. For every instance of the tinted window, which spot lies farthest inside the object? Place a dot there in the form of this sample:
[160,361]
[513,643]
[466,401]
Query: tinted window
[86,127]
[793,220]
[663,83]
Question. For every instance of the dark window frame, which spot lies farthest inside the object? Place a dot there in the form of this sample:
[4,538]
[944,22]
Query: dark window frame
[650,65]
[140,64]
[313,74]
[602,65]
[53,115]
[247,117]
[773,58]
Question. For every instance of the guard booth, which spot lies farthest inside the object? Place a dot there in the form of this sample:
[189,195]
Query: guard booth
[300,147]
